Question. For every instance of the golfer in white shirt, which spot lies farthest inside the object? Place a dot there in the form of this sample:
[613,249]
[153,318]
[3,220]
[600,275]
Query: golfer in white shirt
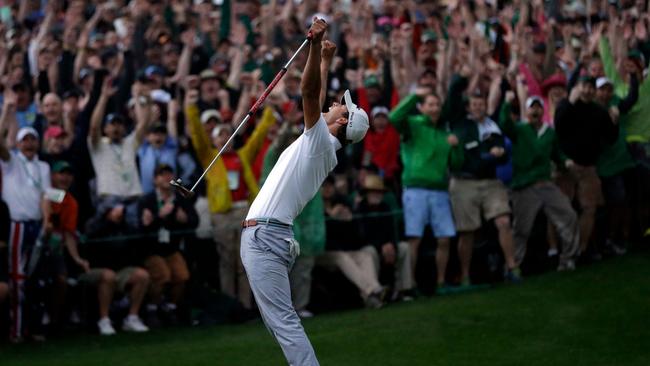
[268,249]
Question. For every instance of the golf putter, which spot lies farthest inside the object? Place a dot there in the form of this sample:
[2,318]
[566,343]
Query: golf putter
[178,183]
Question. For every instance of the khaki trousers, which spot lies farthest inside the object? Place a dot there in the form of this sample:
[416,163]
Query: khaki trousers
[545,196]
[357,266]
[227,235]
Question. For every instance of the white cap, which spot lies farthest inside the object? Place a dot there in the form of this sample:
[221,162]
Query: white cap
[160,96]
[217,130]
[23,132]
[534,99]
[602,81]
[379,110]
[358,122]
[210,113]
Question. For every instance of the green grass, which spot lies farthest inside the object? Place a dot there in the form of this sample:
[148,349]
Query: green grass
[599,315]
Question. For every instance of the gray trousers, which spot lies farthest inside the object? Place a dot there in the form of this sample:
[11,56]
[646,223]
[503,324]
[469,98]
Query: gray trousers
[546,196]
[267,258]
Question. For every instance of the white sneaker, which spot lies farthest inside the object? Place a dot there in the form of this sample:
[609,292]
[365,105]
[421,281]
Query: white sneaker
[132,323]
[567,266]
[105,327]
[305,314]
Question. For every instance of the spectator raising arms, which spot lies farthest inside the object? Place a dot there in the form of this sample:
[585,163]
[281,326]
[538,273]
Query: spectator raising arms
[231,185]
[535,144]
[428,153]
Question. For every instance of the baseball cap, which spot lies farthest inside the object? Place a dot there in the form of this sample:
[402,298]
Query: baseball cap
[61,166]
[428,36]
[54,132]
[555,80]
[637,56]
[152,70]
[160,96]
[24,132]
[158,128]
[602,81]
[534,99]
[208,74]
[72,93]
[114,118]
[85,72]
[209,114]
[379,110]
[371,81]
[163,168]
[222,127]
[357,120]
[587,79]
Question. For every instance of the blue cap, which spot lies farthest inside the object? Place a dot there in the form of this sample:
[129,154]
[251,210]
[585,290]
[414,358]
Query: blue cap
[153,70]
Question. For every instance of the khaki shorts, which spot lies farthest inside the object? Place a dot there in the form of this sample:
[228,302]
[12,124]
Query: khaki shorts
[172,269]
[122,277]
[470,198]
[582,182]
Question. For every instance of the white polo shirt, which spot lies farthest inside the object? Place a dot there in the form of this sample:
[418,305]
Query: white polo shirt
[117,173]
[297,176]
[23,184]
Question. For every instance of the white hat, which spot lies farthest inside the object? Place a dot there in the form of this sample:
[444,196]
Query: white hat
[210,113]
[534,99]
[602,81]
[358,122]
[23,132]
[217,130]
[160,96]
[379,110]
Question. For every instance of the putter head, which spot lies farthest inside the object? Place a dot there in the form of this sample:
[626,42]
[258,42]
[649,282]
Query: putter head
[178,184]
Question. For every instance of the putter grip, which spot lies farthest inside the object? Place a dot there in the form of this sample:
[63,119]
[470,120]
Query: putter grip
[266,93]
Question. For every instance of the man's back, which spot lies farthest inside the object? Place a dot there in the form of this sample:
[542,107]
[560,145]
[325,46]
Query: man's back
[297,175]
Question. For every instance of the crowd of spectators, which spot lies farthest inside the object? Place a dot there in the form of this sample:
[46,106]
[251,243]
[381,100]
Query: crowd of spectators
[484,114]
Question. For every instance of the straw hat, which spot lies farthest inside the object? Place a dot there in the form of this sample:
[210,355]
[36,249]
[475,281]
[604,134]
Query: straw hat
[373,182]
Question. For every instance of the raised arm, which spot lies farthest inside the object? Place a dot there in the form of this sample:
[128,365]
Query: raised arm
[98,113]
[142,113]
[8,114]
[626,104]
[505,117]
[311,80]
[328,49]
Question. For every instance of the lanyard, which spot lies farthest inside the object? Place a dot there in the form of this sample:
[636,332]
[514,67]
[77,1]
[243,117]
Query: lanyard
[118,151]
[35,182]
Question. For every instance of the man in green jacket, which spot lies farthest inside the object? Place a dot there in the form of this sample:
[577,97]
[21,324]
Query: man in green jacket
[534,145]
[616,166]
[427,151]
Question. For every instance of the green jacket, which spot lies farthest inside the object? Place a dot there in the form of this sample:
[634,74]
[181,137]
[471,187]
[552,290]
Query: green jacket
[636,122]
[532,150]
[616,158]
[425,153]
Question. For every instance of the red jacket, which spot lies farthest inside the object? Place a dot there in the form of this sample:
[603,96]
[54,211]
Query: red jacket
[384,149]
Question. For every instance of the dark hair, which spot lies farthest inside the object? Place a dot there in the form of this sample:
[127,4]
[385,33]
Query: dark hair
[341,136]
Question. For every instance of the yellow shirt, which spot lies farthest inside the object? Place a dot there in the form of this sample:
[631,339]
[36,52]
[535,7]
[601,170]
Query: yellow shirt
[219,196]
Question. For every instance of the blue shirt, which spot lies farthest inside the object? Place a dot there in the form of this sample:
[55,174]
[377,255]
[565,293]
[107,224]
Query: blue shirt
[151,157]
[27,118]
